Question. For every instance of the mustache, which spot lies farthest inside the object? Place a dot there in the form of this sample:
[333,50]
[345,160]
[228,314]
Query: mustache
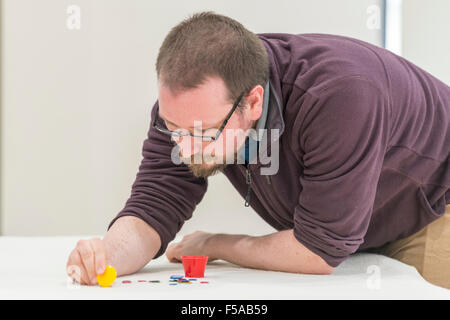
[192,159]
[202,170]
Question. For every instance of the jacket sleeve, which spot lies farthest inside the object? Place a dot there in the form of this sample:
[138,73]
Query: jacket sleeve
[163,194]
[343,136]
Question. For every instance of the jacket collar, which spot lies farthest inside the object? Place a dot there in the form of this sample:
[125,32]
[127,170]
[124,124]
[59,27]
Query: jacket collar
[273,118]
[274,124]
[269,129]
[260,125]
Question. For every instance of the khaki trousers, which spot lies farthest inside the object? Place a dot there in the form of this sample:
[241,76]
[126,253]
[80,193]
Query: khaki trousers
[428,250]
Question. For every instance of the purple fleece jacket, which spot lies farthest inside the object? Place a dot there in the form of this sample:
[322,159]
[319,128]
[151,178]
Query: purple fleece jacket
[364,150]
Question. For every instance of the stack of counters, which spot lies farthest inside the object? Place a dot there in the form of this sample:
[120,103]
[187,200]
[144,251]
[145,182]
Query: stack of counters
[184,281]
[175,279]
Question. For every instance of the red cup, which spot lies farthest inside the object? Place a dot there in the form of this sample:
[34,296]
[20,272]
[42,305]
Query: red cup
[194,266]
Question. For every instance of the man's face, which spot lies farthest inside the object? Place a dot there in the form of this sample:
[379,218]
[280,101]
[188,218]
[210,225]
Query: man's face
[201,111]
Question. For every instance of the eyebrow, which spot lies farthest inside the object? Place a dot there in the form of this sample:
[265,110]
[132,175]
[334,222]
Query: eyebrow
[170,122]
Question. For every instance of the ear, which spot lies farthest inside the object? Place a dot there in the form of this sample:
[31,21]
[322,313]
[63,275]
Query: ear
[255,101]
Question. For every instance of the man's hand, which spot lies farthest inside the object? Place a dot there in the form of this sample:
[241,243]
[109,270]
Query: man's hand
[89,259]
[279,251]
[194,244]
[128,246]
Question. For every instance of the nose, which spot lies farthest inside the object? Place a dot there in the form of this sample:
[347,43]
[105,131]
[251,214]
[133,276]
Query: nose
[189,146]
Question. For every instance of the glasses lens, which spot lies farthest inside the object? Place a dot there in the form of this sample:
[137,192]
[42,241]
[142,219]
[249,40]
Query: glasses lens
[208,139]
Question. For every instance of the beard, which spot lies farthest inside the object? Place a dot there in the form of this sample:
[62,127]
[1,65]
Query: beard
[204,169]
[207,168]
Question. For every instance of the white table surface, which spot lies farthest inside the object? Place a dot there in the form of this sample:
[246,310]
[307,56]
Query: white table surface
[34,268]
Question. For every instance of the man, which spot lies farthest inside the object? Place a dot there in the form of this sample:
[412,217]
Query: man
[354,156]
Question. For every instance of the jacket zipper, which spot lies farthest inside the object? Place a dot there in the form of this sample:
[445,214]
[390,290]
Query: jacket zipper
[248,180]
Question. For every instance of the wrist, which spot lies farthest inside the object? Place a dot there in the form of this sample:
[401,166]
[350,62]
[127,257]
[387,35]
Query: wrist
[211,246]
[221,246]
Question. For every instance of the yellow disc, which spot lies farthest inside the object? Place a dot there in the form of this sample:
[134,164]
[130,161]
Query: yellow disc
[107,278]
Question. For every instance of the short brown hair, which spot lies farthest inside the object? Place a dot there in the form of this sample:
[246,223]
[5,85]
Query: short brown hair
[207,45]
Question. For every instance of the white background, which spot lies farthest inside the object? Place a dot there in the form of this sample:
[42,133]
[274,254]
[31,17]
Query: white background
[75,105]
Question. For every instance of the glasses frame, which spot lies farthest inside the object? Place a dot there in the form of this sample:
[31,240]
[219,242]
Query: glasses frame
[204,138]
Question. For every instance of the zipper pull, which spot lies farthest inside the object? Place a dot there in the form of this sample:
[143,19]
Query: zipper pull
[248,180]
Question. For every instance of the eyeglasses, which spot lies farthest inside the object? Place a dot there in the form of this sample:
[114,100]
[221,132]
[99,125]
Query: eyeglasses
[179,133]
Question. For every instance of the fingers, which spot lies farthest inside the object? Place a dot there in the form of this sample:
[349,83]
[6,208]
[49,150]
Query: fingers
[171,253]
[75,268]
[86,261]
[87,257]
[100,256]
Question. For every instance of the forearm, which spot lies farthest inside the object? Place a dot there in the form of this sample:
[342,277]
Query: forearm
[278,251]
[130,244]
